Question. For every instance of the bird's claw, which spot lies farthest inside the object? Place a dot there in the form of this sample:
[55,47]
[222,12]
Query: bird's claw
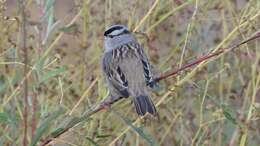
[105,105]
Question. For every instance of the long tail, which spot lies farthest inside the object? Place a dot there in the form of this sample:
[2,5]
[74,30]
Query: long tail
[143,105]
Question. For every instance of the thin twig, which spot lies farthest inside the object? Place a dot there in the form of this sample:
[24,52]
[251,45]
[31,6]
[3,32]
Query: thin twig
[25,56]
[98,108]
[34,117]
[189,29]
[83,96]
[147,15]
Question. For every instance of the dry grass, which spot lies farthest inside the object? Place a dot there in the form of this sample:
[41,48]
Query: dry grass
[214,103]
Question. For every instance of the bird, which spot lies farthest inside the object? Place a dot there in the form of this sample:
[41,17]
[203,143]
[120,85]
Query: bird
[127,70]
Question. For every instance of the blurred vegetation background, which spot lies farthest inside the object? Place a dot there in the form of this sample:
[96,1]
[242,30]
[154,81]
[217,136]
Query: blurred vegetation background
[214,103]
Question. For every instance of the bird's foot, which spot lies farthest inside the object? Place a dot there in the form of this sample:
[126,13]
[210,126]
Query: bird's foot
[105,105]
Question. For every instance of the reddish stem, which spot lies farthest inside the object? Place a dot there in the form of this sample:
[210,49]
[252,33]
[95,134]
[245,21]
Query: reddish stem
[25,57]
[201,59]
[204,58]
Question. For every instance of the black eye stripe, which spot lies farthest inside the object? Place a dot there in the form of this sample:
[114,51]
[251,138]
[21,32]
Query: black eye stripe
[124,32]
[108,32]
[112,29]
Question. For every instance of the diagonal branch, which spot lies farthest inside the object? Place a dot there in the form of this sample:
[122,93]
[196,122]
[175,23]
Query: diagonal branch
[204,58]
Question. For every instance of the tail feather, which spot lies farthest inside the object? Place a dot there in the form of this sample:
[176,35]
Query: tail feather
[143,105]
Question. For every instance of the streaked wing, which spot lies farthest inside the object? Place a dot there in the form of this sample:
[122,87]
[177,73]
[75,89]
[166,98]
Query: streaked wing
[146,66]
[114,75]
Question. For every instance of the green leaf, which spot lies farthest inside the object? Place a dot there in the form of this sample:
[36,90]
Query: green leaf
[1,141]
[2,84]
[103,135]
[149,139]
[92,141]
[39,66]
[228,116]
[57,131]
[51,74]
[68,29]
[68,123]
[9,118]
[49,5]
[3,117]
[46,124]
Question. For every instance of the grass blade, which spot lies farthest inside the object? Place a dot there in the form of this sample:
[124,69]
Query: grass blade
[45,125]
[51,74]
[92,141]
[148,138]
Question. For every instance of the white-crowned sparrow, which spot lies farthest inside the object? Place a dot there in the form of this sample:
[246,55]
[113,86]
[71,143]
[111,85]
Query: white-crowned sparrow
[127,69]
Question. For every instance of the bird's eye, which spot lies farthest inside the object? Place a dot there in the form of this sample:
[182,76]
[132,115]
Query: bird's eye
[111,36]
[125,31]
